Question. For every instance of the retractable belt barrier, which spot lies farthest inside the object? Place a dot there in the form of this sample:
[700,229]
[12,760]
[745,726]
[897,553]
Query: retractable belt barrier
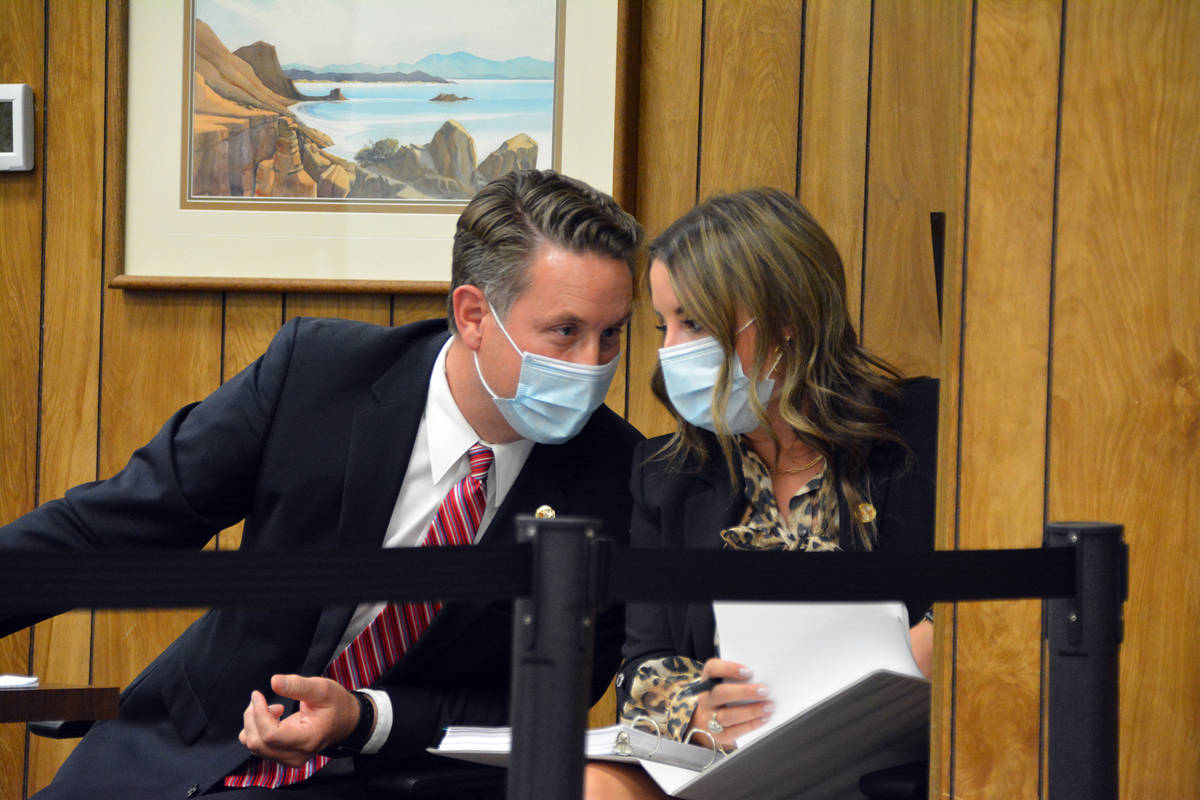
[228,579]
[43,582]
[560,572]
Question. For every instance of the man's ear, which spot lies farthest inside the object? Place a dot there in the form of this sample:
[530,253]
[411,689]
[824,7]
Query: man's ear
[470,308]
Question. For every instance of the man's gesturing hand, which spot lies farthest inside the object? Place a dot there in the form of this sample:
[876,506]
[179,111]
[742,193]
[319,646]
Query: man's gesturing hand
[327,715]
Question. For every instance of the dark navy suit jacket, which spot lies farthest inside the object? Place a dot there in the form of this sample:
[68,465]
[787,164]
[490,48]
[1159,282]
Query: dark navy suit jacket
[309,445]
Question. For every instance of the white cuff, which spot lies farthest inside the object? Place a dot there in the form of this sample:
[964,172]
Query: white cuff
[383,721]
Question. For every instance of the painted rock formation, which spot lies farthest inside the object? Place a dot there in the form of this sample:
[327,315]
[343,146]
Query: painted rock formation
[246,142]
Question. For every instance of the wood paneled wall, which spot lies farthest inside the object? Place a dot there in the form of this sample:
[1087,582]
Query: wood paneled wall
[1078,366]
[804,96]
[1058,138]
[1124,354]
[1003,381]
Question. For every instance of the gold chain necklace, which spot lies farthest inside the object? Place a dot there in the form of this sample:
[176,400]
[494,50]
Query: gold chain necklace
[804,468]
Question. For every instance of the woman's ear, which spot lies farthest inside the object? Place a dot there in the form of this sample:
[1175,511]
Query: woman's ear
[470,307]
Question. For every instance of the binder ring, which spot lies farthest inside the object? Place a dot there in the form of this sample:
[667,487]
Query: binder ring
[657,732]
[713,743]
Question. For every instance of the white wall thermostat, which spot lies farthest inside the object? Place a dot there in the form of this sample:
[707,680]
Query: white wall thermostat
[16,127]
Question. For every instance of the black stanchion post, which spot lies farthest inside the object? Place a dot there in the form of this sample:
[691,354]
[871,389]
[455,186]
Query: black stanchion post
[1084,635]
[553,639]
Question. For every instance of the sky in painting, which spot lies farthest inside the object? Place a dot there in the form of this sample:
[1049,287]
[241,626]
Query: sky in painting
[382,32]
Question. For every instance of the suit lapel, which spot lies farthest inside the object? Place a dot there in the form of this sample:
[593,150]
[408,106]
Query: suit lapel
[705,514]
[381,442]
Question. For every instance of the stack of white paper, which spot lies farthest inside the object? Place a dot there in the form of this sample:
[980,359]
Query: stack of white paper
[8,681]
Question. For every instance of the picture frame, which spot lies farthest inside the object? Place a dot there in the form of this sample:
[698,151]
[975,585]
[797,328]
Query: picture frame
[163,244]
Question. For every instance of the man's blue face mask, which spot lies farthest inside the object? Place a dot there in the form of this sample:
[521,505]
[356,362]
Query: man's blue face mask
[690,371]
[554,399]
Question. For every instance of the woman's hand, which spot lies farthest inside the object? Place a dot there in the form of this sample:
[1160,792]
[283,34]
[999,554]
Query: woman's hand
[730,709]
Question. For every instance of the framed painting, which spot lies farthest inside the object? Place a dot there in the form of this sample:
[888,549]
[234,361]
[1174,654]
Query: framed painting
[329,145]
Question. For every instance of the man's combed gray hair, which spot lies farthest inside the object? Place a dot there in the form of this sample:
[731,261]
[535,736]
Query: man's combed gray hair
[506,223]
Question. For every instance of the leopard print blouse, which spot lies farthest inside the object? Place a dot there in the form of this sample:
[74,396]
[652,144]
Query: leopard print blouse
[811,525]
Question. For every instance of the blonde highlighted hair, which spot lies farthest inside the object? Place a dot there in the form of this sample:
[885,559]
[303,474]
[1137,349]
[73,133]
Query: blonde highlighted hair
[761,252]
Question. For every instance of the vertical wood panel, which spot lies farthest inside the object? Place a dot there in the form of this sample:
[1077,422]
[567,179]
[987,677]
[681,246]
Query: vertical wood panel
[833,158]
[73,269]
[916,152]
[751,111]
[1125,415]
[22,54]
[72,300]
[1003,383]
[668,112]
[917,94]
[951,331]
[668,120]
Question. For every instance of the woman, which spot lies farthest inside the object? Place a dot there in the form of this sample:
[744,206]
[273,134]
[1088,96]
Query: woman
[790,436]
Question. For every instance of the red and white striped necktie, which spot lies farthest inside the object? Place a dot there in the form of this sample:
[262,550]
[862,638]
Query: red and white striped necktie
[396,628]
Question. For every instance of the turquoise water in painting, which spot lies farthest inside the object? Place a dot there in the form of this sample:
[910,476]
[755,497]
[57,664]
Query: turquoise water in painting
[497,110]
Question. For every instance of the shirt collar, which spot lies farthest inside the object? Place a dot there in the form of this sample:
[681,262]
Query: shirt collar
[449,436]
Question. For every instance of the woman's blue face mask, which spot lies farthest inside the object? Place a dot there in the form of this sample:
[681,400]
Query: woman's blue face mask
[690,371]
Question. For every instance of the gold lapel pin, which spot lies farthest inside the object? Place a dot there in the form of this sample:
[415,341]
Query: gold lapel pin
[544,512]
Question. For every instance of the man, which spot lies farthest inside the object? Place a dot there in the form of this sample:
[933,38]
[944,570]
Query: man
[349,435]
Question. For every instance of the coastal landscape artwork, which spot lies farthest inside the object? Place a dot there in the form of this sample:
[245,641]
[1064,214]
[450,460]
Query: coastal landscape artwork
[394,102]
[276,147]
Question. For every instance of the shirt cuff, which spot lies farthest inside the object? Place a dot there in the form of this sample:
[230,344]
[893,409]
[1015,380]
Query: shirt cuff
[383,721]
